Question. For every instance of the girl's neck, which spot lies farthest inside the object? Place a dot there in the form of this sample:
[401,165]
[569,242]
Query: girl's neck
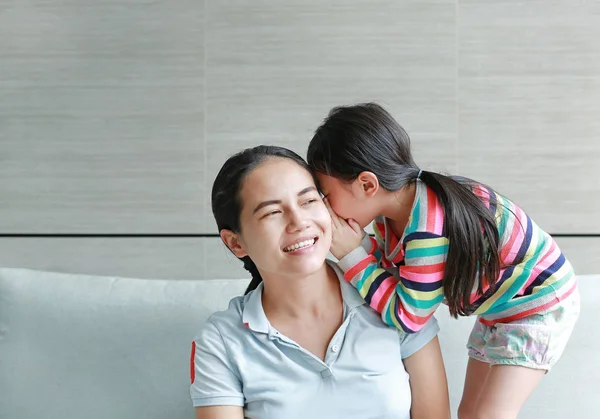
[398,208]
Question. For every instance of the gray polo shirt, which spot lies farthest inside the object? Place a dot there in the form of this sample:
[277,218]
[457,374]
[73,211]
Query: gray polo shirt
[239,359]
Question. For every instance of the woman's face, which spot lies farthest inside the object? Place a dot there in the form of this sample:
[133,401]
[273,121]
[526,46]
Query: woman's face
[285,226]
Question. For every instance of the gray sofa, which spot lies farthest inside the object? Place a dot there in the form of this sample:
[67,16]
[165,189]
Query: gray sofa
[77,346]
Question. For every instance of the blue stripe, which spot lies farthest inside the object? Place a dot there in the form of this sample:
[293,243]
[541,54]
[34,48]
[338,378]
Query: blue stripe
[404,327]
[525,245]
[491,197]
[419,235]
[507,274]
[421,286]
[545,274]
[375,285]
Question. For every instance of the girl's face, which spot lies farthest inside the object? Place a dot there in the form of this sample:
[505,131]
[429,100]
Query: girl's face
[285,226]
[351,199]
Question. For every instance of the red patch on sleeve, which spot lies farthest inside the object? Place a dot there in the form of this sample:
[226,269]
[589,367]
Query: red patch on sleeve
[192,369]
[247,325]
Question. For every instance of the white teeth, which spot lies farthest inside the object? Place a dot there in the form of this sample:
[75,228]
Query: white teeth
[299,245]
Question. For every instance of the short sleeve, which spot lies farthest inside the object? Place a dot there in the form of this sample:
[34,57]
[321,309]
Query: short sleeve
[213,376]
[410,343]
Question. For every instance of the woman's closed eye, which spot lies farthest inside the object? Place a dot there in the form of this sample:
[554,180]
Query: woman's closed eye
[309,201]
[271,213]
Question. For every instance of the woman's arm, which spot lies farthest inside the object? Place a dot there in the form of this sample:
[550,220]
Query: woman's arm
[428,383]
[216,386]
[220,412]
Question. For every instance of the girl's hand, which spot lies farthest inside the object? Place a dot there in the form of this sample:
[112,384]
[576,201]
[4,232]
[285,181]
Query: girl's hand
[347,235]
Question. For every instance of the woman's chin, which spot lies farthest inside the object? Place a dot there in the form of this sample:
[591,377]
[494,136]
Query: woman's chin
[307,266]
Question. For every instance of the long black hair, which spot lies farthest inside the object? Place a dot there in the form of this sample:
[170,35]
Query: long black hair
[365,137]
[225,198]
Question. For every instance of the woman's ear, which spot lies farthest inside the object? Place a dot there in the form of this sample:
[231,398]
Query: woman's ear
[367,184]
[232,240]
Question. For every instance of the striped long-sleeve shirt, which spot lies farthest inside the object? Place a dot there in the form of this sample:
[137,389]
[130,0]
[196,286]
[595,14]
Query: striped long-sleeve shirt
[402,277]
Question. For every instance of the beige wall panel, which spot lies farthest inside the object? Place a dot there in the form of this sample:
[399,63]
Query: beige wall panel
[101,109]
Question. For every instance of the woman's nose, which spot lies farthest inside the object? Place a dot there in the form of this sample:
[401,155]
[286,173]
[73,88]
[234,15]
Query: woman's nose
[298,221]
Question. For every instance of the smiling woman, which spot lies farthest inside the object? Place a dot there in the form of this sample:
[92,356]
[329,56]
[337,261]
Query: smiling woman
[301,342]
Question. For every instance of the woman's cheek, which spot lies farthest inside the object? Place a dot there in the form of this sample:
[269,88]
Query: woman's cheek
[322,215]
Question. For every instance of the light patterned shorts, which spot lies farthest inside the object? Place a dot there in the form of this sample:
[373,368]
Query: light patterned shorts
[536,341]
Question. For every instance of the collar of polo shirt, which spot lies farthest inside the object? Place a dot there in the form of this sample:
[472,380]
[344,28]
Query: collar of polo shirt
[253,314]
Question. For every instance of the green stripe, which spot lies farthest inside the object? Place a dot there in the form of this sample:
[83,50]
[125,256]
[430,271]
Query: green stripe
[415,217]
[426,251]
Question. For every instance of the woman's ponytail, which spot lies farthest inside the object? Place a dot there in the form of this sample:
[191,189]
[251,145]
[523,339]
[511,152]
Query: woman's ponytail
[256,278]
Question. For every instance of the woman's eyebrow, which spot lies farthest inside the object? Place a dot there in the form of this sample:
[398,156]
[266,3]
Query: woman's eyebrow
[266,204]
[307,190]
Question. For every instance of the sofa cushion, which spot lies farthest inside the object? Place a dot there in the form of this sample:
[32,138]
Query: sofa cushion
[76,346]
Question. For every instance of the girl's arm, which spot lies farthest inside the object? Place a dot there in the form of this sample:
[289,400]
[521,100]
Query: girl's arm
[408,297]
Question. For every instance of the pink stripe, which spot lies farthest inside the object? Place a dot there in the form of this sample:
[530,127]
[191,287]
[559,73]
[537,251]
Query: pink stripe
[384,299]
[483,195]
[520,226]
[435,216]
[430,211]
[425,278]
[476,295]
[505,253]
[439,220]
[411,324]
[383,288]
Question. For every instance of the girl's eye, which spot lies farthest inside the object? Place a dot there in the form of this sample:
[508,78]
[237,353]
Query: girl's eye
[271,213]
[310,201]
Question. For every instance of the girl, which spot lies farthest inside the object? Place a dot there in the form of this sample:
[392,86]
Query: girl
[445,239]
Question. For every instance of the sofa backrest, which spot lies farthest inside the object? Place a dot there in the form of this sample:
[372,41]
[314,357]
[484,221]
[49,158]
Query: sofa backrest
[77,346]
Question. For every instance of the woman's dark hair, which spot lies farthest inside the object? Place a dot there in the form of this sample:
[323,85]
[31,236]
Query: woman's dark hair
[365,137]
[225,197]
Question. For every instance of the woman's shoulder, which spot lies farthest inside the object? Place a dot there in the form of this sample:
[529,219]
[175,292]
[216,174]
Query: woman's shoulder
[226,322]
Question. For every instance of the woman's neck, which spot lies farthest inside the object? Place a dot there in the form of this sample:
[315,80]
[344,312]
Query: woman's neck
[314,295]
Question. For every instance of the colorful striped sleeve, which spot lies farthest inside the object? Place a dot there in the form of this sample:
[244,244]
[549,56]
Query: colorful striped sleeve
[374,246]
[408,295]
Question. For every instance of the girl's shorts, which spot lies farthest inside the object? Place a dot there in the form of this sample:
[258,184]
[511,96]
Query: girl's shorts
[535,341]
